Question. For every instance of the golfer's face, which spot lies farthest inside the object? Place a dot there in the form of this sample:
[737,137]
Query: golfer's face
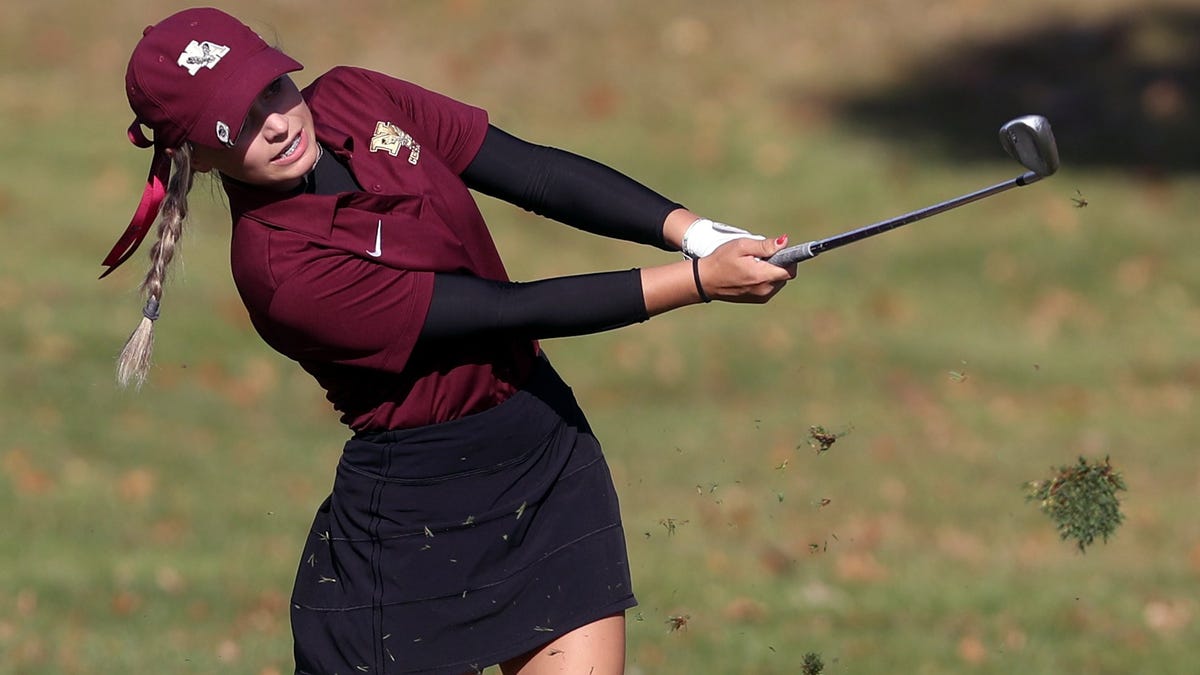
[277,145]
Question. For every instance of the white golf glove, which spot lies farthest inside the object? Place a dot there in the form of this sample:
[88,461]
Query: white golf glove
[704,236]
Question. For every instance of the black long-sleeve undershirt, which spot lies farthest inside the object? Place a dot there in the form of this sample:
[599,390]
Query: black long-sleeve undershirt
[556,184]
[559,307]
[569,188]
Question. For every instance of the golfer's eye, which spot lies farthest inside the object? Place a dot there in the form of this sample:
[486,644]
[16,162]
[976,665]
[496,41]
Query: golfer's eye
[273,89]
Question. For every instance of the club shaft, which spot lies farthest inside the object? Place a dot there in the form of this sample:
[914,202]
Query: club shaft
[811,249]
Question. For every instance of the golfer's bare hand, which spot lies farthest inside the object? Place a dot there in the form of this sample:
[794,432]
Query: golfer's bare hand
[735,272]
[738,272]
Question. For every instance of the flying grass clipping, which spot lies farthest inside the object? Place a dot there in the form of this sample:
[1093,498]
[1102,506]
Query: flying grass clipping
[1081,500]
[812,665]
[821,439]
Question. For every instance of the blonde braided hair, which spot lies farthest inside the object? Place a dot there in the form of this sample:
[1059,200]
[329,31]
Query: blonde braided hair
[133,365]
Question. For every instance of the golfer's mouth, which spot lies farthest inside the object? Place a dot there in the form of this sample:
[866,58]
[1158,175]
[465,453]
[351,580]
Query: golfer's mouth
[293,151]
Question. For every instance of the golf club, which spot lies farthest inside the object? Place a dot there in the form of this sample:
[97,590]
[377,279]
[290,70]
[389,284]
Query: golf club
[1027,139]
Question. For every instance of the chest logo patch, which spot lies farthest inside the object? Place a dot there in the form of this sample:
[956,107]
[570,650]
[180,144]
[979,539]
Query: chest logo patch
[390,138]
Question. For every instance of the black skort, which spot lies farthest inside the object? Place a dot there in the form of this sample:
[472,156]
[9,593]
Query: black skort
[452,547]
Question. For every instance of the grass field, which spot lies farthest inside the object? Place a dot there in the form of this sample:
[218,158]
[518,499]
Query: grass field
[158,532]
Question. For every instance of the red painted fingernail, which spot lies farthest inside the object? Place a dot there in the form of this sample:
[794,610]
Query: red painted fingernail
[781,240]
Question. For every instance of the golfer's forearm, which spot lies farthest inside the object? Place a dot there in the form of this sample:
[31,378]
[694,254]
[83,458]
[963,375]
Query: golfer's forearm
[668,287]
[466,306]
[676,224]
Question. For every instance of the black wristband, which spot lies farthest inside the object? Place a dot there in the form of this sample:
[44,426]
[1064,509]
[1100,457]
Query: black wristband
[696,275]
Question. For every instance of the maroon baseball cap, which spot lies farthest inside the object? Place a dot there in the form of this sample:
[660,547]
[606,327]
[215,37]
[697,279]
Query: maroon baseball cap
[192,77]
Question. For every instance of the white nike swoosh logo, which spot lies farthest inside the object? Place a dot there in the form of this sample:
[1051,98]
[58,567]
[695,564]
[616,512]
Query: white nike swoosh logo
[378,240]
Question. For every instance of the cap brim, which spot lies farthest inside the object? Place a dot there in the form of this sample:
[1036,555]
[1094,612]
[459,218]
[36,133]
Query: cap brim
[232,103]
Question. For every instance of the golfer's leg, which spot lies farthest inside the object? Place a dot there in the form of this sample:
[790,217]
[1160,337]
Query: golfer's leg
[595,649]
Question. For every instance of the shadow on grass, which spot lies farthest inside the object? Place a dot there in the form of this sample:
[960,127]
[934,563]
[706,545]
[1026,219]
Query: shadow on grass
[1120,94]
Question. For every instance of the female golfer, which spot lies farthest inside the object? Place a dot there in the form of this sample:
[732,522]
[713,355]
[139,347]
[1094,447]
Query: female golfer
[472,519]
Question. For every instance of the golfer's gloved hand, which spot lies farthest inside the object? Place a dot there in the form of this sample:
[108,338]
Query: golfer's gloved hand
[704,236]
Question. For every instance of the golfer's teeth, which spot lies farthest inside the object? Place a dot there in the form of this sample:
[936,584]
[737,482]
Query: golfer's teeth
[291,148]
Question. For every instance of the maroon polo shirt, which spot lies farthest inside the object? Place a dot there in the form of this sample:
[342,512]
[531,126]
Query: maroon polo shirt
[341,283]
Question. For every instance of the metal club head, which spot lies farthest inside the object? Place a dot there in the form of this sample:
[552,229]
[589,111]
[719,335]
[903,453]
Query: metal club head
[1030,141]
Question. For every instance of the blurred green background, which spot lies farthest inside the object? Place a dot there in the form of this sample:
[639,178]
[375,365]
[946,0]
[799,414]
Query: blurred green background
[159,531]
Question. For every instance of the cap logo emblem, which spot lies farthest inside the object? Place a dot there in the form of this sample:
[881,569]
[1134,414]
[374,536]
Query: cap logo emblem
[223,133]
[390,138]
[199,55]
